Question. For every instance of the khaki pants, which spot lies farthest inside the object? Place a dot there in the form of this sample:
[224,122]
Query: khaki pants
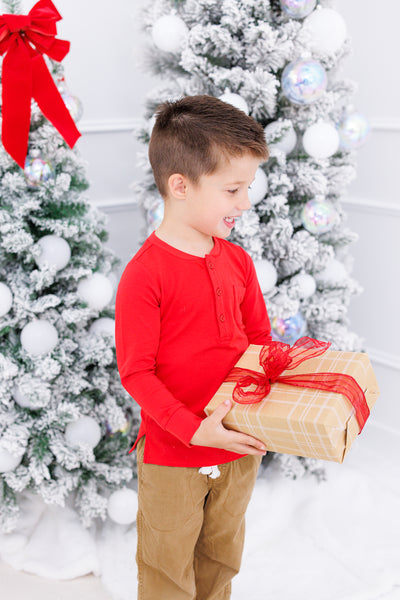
[191,529]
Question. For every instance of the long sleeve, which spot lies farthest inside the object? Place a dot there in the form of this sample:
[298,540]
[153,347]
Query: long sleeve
[137,315]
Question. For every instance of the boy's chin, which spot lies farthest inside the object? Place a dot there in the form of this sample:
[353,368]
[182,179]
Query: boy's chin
[222,236]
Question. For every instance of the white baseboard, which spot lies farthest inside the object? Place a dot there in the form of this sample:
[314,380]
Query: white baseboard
[372,205]
[108,125]
[112,205]
[384,358]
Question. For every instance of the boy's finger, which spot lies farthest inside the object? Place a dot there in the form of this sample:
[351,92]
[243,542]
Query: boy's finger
[248,440]
[222,410]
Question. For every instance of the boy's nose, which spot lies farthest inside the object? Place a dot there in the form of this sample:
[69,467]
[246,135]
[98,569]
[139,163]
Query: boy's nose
[244,203]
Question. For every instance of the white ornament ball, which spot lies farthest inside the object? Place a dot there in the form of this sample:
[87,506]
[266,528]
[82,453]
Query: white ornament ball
[169,33]
[85,431]
[103,326]
[96,290]
[39,337]
[266,274]
[333,273]
[236,101]
[122,506]
[6,299]
[306,284]
[287,142]
[259,187]
[151,123]
[21,399]
[327,29]
[8,462]
[321,140]
[55,251]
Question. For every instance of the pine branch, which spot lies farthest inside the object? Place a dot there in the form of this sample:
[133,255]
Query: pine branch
[12,6]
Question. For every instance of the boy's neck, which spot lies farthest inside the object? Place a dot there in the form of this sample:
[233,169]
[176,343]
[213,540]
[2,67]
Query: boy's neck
[189,242]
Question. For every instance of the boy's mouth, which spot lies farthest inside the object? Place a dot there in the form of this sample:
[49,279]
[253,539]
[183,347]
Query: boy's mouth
[229,221]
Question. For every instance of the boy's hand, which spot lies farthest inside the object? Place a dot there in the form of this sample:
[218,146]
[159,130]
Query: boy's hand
[213,433]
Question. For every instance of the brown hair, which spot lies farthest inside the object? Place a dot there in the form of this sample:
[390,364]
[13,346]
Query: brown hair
[190,135]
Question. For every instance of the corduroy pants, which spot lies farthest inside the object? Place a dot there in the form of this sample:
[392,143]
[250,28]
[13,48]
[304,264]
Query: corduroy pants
[191,529]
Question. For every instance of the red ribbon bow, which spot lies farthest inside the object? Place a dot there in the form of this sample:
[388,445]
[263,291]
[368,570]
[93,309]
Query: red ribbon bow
[24,39]
[276,357]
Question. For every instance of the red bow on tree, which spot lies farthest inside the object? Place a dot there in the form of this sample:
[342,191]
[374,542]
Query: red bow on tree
[23,40]
[276,357]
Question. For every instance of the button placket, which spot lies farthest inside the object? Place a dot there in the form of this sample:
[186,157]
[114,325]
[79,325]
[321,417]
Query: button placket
[219,300]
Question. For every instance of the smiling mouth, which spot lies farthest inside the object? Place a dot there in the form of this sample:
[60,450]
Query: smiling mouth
[229,221]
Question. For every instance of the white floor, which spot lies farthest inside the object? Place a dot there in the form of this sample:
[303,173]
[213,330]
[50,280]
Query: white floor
[339,540]
[17,585]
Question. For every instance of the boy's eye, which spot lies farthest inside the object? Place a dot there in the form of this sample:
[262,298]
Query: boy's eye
[233,191]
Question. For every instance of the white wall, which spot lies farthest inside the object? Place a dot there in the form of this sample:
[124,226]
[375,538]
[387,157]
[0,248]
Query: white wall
[104,70]
[373,203]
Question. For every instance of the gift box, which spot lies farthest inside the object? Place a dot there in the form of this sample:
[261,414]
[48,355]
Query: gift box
[299,420]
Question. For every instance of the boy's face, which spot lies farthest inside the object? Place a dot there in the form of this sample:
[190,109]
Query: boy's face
[214,203]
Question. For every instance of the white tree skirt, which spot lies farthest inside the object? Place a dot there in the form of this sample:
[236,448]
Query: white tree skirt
[335,540]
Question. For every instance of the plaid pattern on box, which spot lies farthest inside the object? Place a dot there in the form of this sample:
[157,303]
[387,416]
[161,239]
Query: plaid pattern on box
[302,421]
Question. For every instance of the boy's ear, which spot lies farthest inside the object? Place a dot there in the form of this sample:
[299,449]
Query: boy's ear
[177,186]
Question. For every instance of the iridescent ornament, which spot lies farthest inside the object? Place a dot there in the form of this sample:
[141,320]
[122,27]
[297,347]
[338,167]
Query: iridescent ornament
[123,429]
[55,252]
[288,330]
[327,30]
[73,104]
[298,9]
[259,187]
[353,131]
[319,216]
[169,33]
[286,142]
[122,506]
[6,299]
[236,100]
[304,81]
[155,215]
[321,140]
[37,170]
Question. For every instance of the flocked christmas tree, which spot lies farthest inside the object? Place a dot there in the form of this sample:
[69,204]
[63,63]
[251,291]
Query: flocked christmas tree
[277,61]
[65,420]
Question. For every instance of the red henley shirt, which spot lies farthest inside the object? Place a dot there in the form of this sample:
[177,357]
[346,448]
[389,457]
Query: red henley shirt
[182,322]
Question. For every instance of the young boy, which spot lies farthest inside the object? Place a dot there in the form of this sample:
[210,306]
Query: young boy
[188,305]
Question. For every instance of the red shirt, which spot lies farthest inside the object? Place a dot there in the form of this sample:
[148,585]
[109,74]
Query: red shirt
[182,323]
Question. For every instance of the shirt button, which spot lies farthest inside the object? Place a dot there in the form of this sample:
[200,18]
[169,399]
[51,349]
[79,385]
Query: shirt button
[211,265]
[219,291]
[222,318]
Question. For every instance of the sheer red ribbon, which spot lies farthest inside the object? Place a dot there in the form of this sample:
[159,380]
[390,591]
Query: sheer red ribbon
[276,357]
[23,40]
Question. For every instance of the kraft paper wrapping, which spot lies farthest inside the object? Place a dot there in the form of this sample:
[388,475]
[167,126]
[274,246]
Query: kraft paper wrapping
[302,421]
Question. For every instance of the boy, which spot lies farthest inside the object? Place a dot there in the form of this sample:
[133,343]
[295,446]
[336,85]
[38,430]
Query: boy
[187,307]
